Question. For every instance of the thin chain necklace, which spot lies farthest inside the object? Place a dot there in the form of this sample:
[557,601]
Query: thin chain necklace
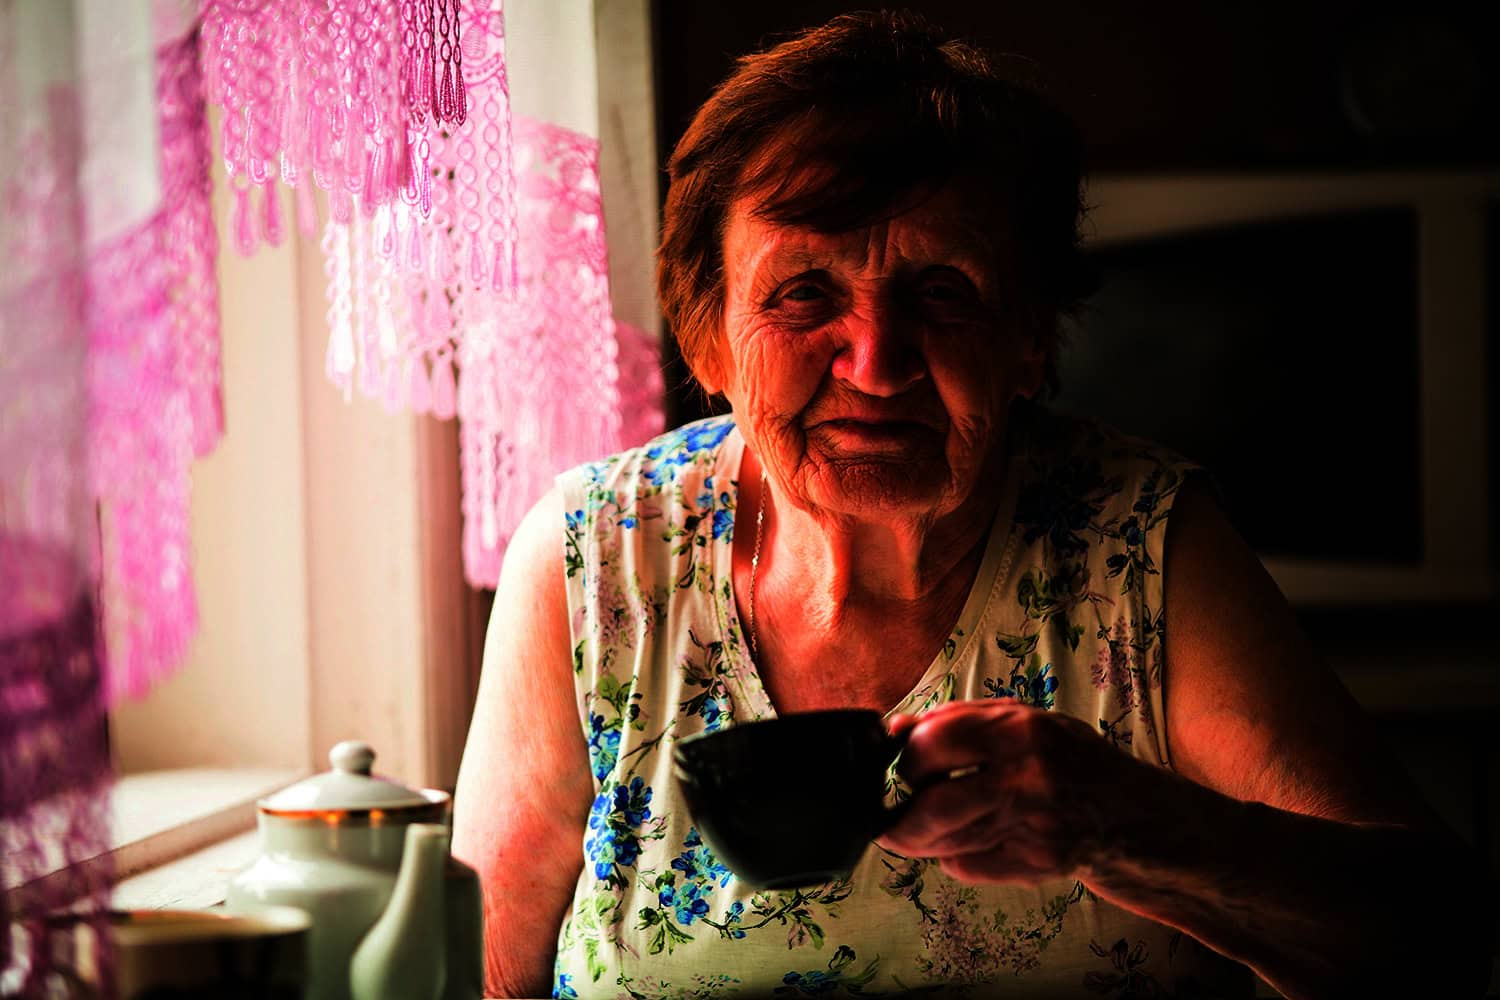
[760,527]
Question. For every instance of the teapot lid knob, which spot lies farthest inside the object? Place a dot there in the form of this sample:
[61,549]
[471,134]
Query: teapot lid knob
[352,757]
[349,786]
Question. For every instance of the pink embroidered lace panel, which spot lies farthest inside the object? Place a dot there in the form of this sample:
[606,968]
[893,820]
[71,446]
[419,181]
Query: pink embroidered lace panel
[465,249]
[494,306]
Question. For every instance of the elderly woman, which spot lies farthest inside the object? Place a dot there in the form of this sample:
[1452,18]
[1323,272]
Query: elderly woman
[869,238]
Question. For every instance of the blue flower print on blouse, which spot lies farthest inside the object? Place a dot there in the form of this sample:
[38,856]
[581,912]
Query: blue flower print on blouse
[635,804]
[1152,491]
[713,711]
[736,915]
[604,746]
[706,435]
[1061,505]
[700,874]
[1036,687]
[698,863]
[811,984]
[723,517]
[563,990]
[686,902]
[614,829]
[816,982]
[672,451]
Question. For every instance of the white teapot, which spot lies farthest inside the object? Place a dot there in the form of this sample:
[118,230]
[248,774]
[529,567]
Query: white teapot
[393,914]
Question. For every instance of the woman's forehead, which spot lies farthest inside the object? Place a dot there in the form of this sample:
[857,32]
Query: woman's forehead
[947,225]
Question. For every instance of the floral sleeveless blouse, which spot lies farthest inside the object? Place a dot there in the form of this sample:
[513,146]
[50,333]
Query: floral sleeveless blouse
[1065,614]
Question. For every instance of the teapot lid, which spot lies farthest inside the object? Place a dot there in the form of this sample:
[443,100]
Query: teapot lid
[349,786]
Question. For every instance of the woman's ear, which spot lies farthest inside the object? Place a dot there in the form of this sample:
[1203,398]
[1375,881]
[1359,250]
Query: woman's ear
[708,368]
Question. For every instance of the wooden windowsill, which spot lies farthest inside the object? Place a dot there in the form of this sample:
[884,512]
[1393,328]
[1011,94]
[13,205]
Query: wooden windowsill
[160,817]
[180,835]
[195,881]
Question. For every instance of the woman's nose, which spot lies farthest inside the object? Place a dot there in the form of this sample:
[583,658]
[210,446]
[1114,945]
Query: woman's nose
[879,356]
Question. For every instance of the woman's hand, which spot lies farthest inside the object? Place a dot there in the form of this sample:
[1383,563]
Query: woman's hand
[1011,793]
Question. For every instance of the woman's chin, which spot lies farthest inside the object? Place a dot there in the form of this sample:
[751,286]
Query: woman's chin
[880,486]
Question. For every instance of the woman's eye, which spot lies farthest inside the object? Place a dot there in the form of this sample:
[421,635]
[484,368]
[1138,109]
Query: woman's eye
[804,293]
[946,290]
[804,299]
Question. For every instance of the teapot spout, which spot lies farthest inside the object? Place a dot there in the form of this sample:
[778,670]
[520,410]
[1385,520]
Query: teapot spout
[404,954]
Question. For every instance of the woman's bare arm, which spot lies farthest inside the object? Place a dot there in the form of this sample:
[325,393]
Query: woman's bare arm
[524,787]
[1349,868]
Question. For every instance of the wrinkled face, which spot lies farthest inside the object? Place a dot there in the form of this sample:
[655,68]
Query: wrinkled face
[872,371]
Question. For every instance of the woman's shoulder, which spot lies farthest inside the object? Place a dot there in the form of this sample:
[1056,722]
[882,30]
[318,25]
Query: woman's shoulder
[678,484]
[1086,485]
[661,462]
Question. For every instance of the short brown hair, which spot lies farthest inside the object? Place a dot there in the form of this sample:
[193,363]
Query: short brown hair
[913,108]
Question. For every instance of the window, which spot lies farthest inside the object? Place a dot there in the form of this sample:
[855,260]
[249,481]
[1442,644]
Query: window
[326,563]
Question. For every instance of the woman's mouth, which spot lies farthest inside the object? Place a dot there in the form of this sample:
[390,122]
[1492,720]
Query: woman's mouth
[893,436]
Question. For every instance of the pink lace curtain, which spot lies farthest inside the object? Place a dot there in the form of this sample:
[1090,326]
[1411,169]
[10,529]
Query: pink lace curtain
[465,254]
[465,246]
[108,388]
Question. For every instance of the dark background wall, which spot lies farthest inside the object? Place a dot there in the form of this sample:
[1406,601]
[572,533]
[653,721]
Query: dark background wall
[1175,86]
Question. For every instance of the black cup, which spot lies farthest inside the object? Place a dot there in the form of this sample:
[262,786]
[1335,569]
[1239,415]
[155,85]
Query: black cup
[791,801]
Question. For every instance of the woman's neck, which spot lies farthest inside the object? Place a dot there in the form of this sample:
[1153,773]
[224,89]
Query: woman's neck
[851,615]
[842,562]
[831,574]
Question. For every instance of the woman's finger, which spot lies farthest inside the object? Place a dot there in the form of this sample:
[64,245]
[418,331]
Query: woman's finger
[900,724]
[941,808]
[951,740]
